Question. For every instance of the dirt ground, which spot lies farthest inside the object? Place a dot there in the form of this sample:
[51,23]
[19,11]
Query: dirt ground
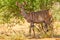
[41,39]
[47,39]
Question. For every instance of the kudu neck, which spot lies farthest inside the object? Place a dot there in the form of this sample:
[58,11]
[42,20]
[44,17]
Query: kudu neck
[23,13]
[22,10]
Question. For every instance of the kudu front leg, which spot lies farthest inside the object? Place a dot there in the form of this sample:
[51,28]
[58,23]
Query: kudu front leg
[31,29]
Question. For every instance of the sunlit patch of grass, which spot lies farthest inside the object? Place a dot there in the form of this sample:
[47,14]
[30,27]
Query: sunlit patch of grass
[57,24]
[13,36]
[10,34]
[56,28]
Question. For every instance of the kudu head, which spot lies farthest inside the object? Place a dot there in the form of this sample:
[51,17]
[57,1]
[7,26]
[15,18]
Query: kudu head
[22,9]
[21,5]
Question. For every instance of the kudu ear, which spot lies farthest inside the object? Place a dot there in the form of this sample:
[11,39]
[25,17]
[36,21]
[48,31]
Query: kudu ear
[16,3]
[24,3]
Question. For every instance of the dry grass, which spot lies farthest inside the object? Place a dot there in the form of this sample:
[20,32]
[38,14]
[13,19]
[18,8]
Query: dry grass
[16,32]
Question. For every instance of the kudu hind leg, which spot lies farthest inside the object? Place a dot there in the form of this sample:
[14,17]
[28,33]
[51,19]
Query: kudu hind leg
[44,27]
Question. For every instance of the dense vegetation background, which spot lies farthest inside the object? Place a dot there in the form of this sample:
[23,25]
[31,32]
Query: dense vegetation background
[10,16]
[8,8]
